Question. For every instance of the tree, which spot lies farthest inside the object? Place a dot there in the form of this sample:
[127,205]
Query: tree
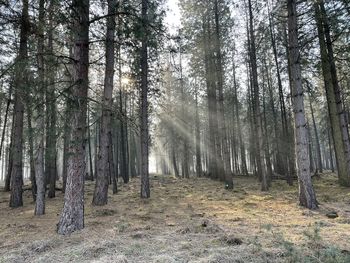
[20,87]
[72,216]
[144,136]
[39,156]
[256,103]
[51,110]
[221,111]
[339,127]
[307,195]
[104,157]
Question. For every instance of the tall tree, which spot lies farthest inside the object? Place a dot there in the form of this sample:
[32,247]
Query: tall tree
[144,136]
[211,95]
[72,216]
[51,115]
[307,195]
[333,93]
[104,151]
[39,157]
[221,114]
[20,87]
[197,136]
[256,103]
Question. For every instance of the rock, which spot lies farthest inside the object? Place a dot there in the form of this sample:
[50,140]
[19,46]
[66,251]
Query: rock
[185,230]
[139,235]
[332,215]
[205,223]
[231,240]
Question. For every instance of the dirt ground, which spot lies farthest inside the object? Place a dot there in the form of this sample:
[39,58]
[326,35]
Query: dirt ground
[186,220]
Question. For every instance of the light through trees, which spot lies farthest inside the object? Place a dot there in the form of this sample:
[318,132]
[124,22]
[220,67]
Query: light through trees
[105,93]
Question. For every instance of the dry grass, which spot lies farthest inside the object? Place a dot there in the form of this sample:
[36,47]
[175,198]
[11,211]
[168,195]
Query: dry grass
[193,220]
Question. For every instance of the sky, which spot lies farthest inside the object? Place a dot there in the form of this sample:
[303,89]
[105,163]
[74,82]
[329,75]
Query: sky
[172,19]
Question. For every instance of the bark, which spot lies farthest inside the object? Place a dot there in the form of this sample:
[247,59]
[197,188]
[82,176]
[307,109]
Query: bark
[244,168]
[127,156]
[256,104]
[279,162]
[123,156]
[91,170]
[72,217]
[5,119]
[185,165]
[116,157]
[173,152]
[212,107]
[311,157]
[51,155]
[221,114]
[40,176]
[132,160]
[111,166]
[307,195]
[31,152]
[291,134]
[198,139]
[318,147]
[335,111]
[20,83]
[10,158]
[40,119]
[282,156]
[104,158]
[145,187]
[266,142]
[124,171]
[345,181]
[66,136]
[330,149]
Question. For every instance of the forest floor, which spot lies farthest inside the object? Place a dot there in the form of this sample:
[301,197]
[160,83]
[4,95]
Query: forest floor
[186,220]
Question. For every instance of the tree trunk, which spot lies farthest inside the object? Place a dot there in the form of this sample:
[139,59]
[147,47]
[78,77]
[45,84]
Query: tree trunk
[281,156]
[212,107]
[104,160]
[123,156]
[330,149]
[345,181]
[256,105]
[51,155]
[184,135]
[72,217]
[66,136]
[31,152]
[91,170]
[132,160]
[5,119]
[145,188]
[198,138]
[318,147]
[40,118]
[332,101]
[115,143]
[266,142]
[20,83]
[10,158]
[239,131]
[307,195]
[221,113]
[311,157]
[291,134]
[173,152]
